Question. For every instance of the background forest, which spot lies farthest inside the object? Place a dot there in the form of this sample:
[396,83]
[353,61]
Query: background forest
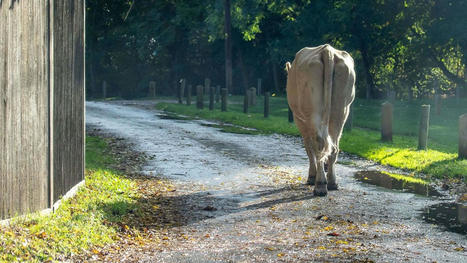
[412,47]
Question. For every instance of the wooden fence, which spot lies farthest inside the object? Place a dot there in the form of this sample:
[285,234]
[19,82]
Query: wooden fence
[41,103]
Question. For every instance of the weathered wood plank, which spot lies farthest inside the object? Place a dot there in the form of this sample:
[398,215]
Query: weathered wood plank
[24,108]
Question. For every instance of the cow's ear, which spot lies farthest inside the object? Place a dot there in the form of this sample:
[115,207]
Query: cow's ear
[287,66]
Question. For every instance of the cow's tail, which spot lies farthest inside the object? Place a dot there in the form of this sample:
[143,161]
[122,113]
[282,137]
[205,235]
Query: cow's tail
[328,63]
[287,66]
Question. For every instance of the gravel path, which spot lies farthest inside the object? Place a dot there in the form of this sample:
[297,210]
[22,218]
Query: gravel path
[244,200]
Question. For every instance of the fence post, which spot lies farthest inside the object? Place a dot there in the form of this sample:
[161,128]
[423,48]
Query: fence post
[423,129]
[246,101]
[188,95]
[199,97]
[211,98]
[349,123]
[152,89]
[253,96]
[290,114]
[386,121]
[207,85]
[181,91]
[104,89]
[463,136]
[260,82]
[218,93]
[224,99]
[438,104]
[266,104]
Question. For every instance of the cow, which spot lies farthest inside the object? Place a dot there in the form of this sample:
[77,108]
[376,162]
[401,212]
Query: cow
[320,90]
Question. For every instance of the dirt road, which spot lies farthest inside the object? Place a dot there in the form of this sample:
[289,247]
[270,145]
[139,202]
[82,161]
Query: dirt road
[247,202]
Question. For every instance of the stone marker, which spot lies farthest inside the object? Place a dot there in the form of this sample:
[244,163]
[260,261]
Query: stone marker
[224,99]
[423,129]
[188,95]
[246,101]
[181,91]
[152,89]
[386,122]
[207,85]
[199,97]
[253,96]
[104,89]
[218,93]
[463,136]
[211,98]
[266,104]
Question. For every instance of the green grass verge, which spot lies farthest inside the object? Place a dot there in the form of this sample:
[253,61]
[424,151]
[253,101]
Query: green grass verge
[81,223]
[440,161]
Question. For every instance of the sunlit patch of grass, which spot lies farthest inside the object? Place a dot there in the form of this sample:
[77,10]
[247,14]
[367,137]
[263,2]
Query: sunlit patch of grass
[405,178]
[80,222]
[438,161]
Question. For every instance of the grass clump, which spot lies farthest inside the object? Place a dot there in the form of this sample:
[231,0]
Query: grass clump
[440,161]
[80,223]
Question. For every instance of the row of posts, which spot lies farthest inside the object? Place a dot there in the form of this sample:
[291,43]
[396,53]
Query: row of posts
[424,124]
[250,98]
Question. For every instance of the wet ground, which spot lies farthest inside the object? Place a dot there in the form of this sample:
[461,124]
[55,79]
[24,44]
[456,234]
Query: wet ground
[244,200]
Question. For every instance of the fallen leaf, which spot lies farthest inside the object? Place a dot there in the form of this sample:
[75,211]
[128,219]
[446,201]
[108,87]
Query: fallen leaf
[333,234]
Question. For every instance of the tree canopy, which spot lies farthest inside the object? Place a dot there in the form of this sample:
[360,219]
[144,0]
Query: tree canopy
[412,47]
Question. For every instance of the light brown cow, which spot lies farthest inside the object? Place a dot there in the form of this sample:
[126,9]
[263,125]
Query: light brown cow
[320,89]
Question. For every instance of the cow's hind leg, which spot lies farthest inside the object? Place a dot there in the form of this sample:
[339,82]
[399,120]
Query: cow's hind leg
[312,159]
[331,176]
[321,185]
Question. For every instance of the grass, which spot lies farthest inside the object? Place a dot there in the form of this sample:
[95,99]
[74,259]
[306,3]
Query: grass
[439,161]
[80,223]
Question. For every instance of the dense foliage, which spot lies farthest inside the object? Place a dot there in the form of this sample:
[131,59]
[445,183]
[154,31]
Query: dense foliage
[410,47]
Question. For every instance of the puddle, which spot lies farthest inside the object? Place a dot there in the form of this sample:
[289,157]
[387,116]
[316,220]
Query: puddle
[232,129]
[452,216]
[397,182]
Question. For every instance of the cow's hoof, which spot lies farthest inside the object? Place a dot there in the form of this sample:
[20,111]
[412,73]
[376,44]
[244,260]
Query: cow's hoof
[333,187]
[311,180]
[320,190]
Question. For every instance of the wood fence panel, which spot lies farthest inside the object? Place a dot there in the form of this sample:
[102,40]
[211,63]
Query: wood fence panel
[68,95]
[24,111]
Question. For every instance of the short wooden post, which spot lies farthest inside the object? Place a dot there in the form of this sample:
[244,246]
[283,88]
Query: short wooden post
[207,85]
[386,122]
[246,101]
[218,93]
[260,83]
[349,123]
[253,96]
[266,104]
[290,115]
[463,136]
[181,91]
[199,97]
[211,98]
[188,95]
[438,104]
[152,89]
[104,89]
[423,129]
[224,99]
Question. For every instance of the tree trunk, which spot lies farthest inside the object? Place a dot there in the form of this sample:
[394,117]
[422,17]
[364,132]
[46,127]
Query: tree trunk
[228,46]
